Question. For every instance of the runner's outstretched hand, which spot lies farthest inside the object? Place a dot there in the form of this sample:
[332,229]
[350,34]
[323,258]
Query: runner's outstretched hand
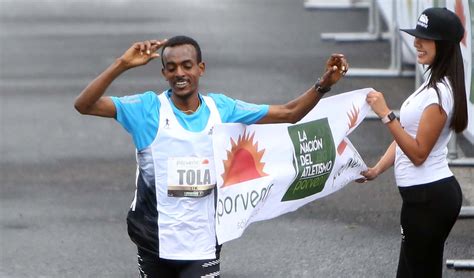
[336,68]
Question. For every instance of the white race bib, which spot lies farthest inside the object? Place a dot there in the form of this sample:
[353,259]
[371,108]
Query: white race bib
[190,176]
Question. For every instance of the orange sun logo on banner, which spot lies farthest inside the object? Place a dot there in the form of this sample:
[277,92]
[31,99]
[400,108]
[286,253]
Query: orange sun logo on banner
[353,116]
[244,161]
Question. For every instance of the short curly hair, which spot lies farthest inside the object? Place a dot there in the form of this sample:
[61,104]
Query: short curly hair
[181,40]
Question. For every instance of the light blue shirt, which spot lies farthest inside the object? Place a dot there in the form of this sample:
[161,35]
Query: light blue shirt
[139,114]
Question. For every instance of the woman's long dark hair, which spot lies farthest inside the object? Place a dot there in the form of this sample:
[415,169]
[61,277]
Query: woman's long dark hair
[448,63]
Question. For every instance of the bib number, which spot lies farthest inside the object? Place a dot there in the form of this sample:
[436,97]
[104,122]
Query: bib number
[190,177]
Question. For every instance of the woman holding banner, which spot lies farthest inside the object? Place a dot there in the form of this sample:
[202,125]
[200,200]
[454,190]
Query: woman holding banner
[431,195]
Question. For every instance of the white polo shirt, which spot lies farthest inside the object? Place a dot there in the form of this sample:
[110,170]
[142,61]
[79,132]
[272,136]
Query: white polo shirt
[436,165]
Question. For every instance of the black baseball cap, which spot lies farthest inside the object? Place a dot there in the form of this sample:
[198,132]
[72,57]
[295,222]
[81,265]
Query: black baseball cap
[439,24]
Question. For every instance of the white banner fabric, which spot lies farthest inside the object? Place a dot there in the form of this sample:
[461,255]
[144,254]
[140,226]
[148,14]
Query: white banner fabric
[264,171]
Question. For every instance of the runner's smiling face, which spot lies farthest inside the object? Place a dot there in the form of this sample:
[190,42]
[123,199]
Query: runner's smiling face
[182,70]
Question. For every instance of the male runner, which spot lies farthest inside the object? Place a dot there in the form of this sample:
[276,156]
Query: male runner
[171,219]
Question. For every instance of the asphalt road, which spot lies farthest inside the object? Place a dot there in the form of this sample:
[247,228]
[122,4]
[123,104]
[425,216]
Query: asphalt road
[66,181]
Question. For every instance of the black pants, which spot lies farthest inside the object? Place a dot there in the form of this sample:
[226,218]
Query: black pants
[429,211]
[150,266]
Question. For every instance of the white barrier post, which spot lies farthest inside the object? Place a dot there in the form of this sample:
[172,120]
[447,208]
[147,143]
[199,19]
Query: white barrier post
[460,264]
[331,4]
[373,33]
[456,156]
[373,29]
[395,67]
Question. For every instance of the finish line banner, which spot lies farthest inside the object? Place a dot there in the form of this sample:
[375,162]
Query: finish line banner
[264,171]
